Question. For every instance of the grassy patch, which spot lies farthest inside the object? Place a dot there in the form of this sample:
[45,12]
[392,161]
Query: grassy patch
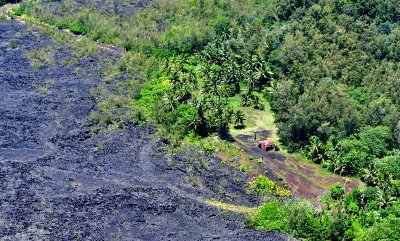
[210,145]
[255,120]
[55,34]
[42,57]
[233,152]
[265,187]
[84,47]
[244,168]
[81,45]
[296,157]
[44,88]
[233,208]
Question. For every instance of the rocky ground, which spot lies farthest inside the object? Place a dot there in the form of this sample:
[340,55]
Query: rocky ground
[122,8]
[60,180]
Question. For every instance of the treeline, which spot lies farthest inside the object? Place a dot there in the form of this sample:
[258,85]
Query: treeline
[339,78]
[207,56]
[336,100]
[353,57]
[198,85]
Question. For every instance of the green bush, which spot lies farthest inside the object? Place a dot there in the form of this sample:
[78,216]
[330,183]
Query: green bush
[233,153]
[271,216]
[337,191]
[352,208]
[18,11]
[389,165]
[354,216]
[77,27]
[265,187]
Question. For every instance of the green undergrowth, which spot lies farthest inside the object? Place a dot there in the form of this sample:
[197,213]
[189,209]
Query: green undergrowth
[39,58]
[18,10]
[354,216]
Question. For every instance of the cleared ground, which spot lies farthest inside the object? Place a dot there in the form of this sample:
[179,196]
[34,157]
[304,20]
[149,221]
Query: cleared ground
[305,180]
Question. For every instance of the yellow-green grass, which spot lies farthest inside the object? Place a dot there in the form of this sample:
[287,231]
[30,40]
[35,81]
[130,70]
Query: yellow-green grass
[233,208]
[256,120]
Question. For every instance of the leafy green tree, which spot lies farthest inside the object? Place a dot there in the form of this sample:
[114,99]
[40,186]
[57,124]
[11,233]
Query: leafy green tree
[337,191]
[315,149]
[387,229]
[389,165]
[353,155]
[239,119]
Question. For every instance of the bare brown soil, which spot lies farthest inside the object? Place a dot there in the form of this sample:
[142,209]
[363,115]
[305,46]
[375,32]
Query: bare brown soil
[305,179]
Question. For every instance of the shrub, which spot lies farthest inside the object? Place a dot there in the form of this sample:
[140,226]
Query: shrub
[77,27]
[271,216]
[263,186]
[186,118]
[337,191]
[233,153]
[17,11]
[352,208]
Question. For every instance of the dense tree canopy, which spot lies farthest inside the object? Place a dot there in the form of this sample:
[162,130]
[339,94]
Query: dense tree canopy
[337,68]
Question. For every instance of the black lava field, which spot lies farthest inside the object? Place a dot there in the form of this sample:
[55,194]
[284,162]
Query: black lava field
[60,180]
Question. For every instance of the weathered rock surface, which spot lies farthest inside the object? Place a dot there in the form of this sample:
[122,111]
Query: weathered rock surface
[61,181]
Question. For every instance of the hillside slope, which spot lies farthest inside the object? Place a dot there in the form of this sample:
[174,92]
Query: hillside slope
[62,181]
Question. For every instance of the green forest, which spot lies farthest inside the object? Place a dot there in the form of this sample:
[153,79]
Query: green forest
[329,69]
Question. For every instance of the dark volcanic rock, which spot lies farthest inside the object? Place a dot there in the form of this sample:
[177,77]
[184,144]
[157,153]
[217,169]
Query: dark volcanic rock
[122,8]
[58,184]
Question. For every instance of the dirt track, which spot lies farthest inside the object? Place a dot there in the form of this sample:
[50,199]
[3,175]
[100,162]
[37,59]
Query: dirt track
[61,181]
[303,178]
